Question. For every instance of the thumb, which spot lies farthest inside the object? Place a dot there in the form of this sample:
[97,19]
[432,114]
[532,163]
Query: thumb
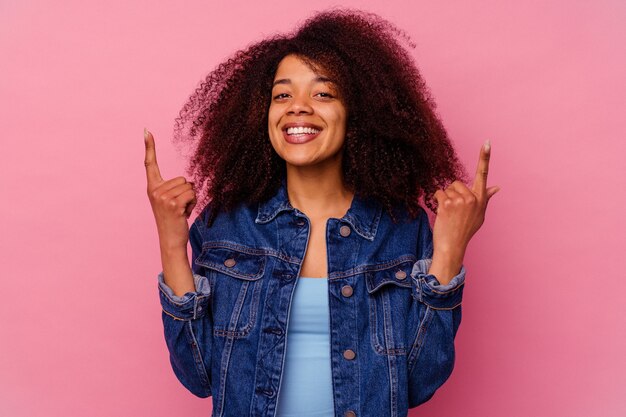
[491,191]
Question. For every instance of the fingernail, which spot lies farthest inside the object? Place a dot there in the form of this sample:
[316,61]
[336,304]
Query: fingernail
[145,133]
[487,145]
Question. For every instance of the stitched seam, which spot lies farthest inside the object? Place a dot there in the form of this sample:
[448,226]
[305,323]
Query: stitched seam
[374,326]
[200,368]
[403,284]
[223,244]
[244,331]
[173,316]
[388,333]
[219,268]
[442,308]
[378,348]
[419,339]
[371,268]
[225,361]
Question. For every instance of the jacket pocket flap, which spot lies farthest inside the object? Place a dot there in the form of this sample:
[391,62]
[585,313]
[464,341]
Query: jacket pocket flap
[398,274]
[232,262]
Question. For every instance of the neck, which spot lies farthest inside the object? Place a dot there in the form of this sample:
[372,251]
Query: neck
[318,191]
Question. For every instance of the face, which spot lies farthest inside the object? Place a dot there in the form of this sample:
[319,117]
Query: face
[307,118]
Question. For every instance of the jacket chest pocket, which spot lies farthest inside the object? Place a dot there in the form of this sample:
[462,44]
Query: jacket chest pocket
[393,317]
[236,285]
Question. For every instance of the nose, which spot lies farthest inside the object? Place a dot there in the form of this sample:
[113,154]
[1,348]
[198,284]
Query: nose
[300,104]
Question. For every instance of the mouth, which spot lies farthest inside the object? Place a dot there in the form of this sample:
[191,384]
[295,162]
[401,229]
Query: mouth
[300,133]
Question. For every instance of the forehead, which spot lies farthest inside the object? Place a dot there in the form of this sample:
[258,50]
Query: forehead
[294,67]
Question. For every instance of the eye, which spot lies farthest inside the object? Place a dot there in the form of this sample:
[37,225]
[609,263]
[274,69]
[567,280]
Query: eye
[281,95]
[325,95]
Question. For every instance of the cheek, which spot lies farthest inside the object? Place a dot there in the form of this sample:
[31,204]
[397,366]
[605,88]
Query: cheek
[272,122]
[270,118]
[275,138]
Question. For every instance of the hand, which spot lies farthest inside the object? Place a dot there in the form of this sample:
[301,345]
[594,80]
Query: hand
[460,213]
[172,201]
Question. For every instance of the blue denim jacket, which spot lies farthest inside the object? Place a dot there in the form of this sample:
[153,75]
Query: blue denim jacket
[392,325]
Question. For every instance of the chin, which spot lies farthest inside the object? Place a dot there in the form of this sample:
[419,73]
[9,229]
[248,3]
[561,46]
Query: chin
[300,162]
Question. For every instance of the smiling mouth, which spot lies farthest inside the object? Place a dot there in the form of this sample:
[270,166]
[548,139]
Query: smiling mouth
[302,130]
[298,136]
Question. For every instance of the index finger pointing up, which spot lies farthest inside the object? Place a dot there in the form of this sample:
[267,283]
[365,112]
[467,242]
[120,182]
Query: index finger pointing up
[152,169]
[480,180]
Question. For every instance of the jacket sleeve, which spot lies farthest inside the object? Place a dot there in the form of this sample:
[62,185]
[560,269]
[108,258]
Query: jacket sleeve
[432,355]
[188,324]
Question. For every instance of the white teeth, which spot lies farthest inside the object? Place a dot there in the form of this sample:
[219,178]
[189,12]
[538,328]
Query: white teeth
[301,130]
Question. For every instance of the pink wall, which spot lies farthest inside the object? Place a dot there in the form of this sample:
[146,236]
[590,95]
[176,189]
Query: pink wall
[544,331]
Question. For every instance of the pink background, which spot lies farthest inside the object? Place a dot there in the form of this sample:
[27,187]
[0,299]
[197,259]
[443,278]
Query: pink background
[543,331]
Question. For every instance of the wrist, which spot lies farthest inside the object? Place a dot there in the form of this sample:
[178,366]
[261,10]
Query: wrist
[173,249]
[445,266]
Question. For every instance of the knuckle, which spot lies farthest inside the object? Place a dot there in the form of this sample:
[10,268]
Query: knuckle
[172,203]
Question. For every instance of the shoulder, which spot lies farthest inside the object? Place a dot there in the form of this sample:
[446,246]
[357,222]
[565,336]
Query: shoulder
[210,210]
[404,217]
[237,222]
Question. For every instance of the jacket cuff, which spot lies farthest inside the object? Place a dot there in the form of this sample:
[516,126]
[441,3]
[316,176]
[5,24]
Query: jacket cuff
[428,290]
[192,305]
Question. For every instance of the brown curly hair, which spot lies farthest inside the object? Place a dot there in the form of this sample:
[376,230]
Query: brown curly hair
[393,131]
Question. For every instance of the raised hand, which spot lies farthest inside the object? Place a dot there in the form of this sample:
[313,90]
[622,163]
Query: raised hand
[460,213]
[172,201]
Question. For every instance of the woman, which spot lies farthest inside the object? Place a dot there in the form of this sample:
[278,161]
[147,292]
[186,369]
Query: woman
[313,150]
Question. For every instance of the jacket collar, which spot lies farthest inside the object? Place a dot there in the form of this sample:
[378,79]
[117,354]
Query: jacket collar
[363,214]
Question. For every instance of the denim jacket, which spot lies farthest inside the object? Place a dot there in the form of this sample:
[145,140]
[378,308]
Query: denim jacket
[392,325]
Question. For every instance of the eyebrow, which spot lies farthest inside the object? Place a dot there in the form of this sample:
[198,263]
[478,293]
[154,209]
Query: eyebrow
[317,79]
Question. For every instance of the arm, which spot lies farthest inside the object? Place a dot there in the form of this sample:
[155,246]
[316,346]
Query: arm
[184,293]
[188,325]
[431,358]
[439,277]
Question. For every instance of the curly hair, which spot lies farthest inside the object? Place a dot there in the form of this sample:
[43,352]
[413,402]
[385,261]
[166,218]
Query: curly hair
[392,130]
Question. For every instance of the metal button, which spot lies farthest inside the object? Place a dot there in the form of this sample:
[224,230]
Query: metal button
[401,275]
[230,262]
[346,291]
[349,354]
[350,414]
[344,231]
